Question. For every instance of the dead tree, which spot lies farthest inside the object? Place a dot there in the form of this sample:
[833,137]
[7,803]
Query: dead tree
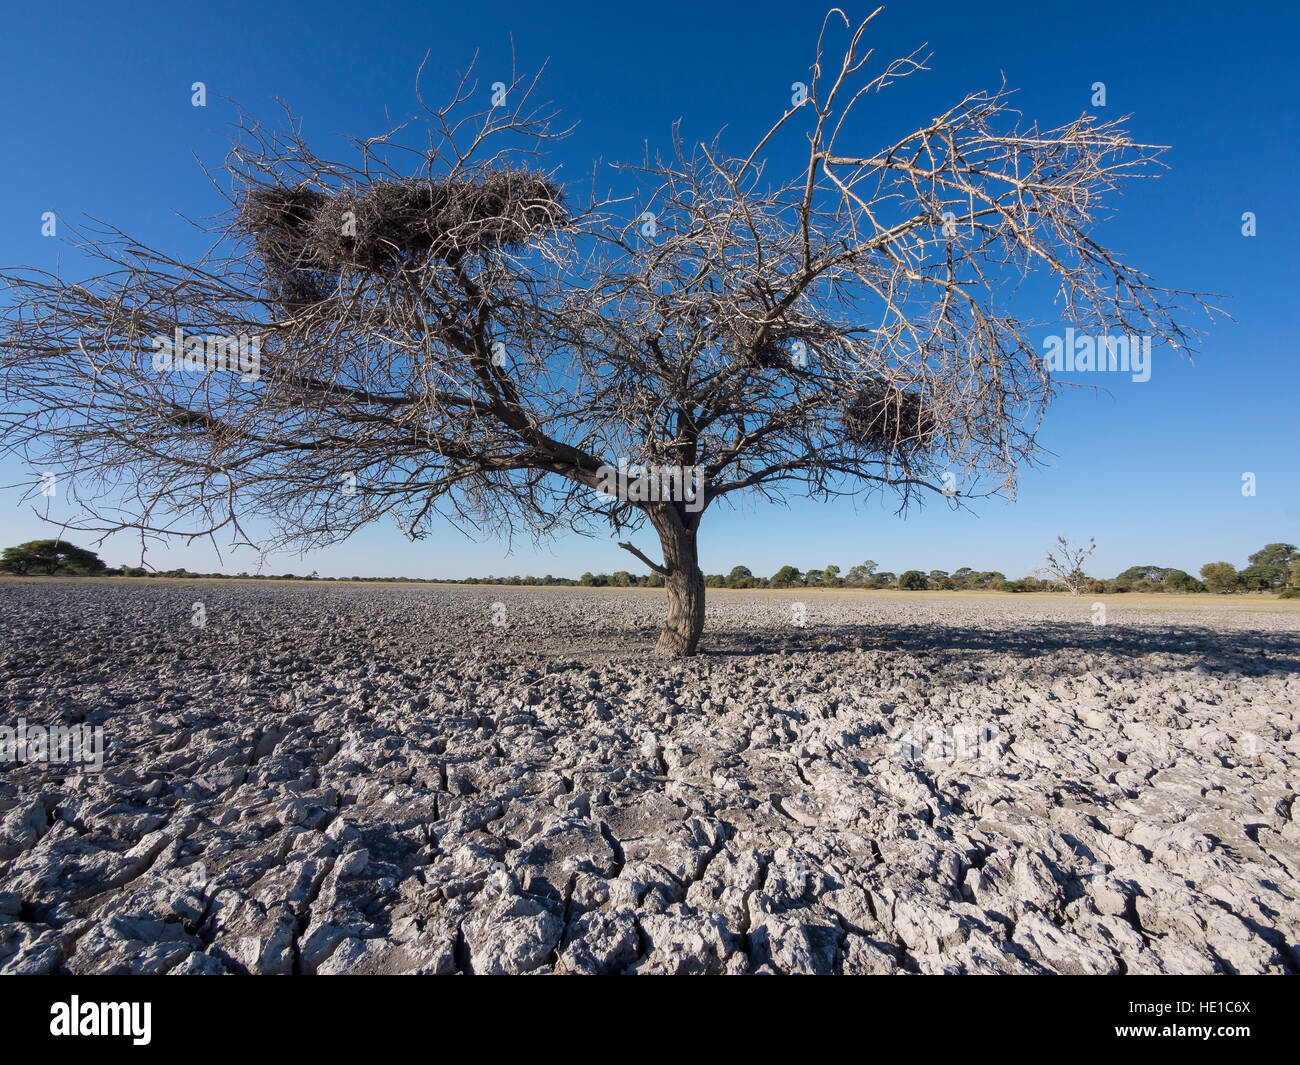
[445,332]
[1064,564]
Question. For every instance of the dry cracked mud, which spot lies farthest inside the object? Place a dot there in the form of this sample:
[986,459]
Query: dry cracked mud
[337,778]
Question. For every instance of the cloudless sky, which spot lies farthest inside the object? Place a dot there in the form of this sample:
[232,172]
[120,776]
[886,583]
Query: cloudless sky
[97,122]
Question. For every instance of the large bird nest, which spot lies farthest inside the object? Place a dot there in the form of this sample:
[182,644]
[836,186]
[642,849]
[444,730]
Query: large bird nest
[737,331]
[280,222]
[772,353]
[885,418]
[307,238]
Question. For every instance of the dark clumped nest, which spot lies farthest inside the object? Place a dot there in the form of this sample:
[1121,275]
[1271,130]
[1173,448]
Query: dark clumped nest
[748,327]
[772,352]
[280,222]
[738,331]
[307,238]
[883,417]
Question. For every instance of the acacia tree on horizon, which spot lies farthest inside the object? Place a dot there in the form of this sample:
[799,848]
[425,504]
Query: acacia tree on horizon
[447,333]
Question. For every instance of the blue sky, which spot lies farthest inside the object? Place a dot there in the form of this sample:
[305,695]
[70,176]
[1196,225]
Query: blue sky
[97,122]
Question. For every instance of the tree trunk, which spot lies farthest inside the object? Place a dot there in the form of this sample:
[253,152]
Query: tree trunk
[685,584]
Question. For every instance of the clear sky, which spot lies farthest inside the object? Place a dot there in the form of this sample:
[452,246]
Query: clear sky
[97,121]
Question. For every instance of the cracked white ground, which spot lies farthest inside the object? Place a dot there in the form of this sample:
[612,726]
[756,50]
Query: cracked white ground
[378,778]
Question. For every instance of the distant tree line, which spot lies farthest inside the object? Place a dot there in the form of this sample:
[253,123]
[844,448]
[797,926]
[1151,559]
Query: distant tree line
[1275,568]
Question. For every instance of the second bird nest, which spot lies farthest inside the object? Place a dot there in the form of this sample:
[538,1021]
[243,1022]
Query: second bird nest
[883,417]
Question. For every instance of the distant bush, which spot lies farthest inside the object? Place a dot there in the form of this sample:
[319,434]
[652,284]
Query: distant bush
[1025,584]
[1219,576]
[914,581]
[49,557]
[1260,578]
[786,576]
[1177,580]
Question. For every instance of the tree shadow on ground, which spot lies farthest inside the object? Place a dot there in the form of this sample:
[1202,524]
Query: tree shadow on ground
[1245,652]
